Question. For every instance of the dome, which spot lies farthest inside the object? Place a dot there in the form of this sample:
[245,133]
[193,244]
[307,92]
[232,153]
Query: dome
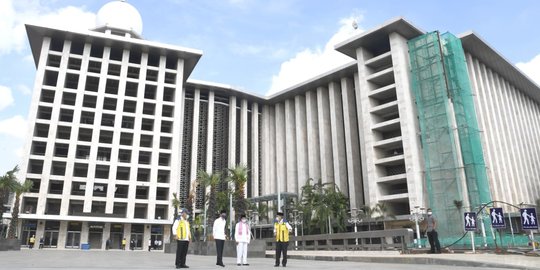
[119,15]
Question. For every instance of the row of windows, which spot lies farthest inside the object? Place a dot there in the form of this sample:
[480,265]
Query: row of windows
[35,166]
[116,53]
[109,103]
[52,207]
[107,120]
[111,86]
[113,69]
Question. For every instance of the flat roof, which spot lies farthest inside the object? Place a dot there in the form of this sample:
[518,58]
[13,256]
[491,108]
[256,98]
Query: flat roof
[37,33]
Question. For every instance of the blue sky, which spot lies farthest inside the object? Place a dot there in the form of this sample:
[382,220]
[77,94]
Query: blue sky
[259,46]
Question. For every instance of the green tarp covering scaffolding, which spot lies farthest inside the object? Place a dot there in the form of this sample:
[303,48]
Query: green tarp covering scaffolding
[455,170]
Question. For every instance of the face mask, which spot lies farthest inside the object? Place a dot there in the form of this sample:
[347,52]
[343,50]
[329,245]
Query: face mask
[244,220]
[223,215]
[187,216]
[429,213]
[278,219]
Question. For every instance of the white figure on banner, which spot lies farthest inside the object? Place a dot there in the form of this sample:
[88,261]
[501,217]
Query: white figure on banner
[494,216]
[500,217]
[469,221]
[525,217]
[533,219]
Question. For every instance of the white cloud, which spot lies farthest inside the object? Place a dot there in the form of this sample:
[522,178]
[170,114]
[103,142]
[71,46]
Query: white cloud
[25,90]
[15,126]
[314,61]
[258,51]
[16,13]
[6,99]
[531,68]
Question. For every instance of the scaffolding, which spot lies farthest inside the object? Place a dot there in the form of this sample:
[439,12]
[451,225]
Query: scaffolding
[454,164]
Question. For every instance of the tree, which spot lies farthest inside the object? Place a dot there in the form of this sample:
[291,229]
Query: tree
[211,181]
[8,182]
[19,189]
[369,214]
[384,212]
[176,204]
[238,177]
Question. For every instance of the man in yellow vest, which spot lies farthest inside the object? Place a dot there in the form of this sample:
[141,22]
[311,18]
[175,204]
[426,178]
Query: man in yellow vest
[182,232]
[281,232]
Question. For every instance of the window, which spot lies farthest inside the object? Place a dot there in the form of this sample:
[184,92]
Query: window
[80,170]
[107,120]
[121,191]
[92,84]
[172,62]
[133,72]
[57,45]
[44,113]
[38,148]
[63,132]
[145,157]
[41,130]
[166,126]
[122,173]
[162,194]
[124,155]
[98,207]
[168,94]
[96,51]
[130,106]
[106,136]
[114,70]
[151,75]
[126,138]
[83,152]
[170,78]
[58,168]
[164,159]
[147,124]
[153,60]
[150,91]
[128,122]
[131,89]
[109,104]
[77,47]
[61,150]
[74,63]
[85,135]
[140,210]
[102,171]
[100,190]
[167,111]
[75,207]
[52,207]
[94,66]
[78,188]
[50,78]
[56,187]
[141,193]
[53,60]
[69,98]
[165,143]
[116,54]
[35,166]
[111,87]
[135,57]
[163,176]
[104,154]
[66,115]
[47,96]
[72,81]
[146,140]
[149,108]
[143,175]
[36,184]
[87,118]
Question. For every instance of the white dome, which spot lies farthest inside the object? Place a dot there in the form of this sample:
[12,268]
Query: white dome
[120,15]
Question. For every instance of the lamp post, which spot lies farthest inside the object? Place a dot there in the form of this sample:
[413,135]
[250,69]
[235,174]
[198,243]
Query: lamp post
[252,220]
[355,219]
[481,216]
[417,215]
[297,219]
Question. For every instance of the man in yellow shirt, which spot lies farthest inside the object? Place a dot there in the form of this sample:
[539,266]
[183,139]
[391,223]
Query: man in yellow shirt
[182,232]
[281,232]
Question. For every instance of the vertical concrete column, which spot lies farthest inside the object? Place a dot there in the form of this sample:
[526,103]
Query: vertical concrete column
[210,132]
[290,147]
[84,232]
[255,150]
[194,140]
[106,234]
[178,127]
[367,139]
[62,235]
[338,137]
[352,144]
[325,135]
[244,134]
[272,150]
[408,119]
[301,141]
[232,131]
[265,136]
[313,148]
[281,163]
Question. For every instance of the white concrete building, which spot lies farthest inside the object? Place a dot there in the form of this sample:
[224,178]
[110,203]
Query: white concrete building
[117,128]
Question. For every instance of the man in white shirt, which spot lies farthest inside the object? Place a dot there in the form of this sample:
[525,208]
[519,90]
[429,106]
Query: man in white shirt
[182,231]
[219,236]
[242,236]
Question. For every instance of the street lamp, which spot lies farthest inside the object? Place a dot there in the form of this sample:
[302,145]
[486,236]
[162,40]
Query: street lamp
[417,215]
[252,219]
[297,219]
[481,216]
[355,219]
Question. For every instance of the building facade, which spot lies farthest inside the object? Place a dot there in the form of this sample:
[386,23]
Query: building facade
[117,127]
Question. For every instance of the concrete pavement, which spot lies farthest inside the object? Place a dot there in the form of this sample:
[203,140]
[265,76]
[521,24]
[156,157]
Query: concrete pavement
[77,259]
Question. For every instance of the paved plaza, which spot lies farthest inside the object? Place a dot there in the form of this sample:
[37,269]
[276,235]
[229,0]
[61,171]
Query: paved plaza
[76,259]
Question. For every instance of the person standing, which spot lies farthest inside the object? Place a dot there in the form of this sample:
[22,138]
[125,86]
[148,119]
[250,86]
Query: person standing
[124,244]
[242,236]
[182,232]
[218,232]
[281,231]
[149,244]
[431,231]
[32,241]
[41,243]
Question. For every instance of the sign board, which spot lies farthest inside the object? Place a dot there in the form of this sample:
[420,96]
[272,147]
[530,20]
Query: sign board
[470,221]
[529,219]
[497,218]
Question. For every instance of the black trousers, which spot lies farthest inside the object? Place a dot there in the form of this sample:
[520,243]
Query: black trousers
[281,248]
[181,252]
[219,250]
[433,238]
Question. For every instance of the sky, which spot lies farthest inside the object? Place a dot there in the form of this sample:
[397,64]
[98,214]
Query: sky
[259,46]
